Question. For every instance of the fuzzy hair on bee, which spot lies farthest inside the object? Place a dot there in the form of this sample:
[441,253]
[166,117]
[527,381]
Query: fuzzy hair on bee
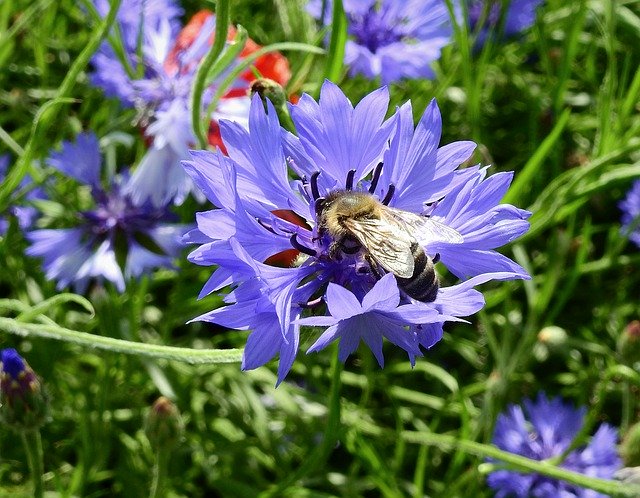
[390,239]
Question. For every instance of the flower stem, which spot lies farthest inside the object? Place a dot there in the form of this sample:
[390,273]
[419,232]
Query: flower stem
[33,447]
[321,453]
[158,485]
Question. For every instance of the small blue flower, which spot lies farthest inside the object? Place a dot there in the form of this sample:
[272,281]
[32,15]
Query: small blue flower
[543,430]
[485,17]
[630,207]
[341,148]
[392,39]
[113,241]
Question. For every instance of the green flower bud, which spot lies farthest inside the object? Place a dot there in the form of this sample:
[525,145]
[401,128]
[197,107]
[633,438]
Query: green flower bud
[24,403]
[630,446]
[629,343]
[164,426]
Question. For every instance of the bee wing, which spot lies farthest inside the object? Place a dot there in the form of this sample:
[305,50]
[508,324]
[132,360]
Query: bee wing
[387,243]
[423,228]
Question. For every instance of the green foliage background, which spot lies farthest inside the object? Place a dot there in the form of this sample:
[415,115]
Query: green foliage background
[559,106]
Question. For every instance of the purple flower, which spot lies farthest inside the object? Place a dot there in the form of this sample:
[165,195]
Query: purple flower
[115,240]
[485,17]
[545,429]
[342,152]
[158,84]
[393,39]
[630,207]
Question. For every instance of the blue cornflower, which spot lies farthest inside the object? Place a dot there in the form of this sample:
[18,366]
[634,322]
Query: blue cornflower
[630,207]
[339,149]
[392,39]
[159,87]
[543,430]
[484,17]
[116,239]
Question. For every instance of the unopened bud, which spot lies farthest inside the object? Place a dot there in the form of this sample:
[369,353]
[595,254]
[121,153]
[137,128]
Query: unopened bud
[551,339]
[164,426]
[24,403]
[629,343]
[273,91]
[630,446]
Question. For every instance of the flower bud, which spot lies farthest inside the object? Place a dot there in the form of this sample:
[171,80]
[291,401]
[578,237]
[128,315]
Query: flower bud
[164,426]
[269,89]
[629,343]
[630,446]
[551,339]
[24,403]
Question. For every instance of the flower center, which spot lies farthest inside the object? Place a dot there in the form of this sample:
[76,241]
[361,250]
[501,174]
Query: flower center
[376,29]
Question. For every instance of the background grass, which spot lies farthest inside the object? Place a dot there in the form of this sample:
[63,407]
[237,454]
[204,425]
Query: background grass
[559,106]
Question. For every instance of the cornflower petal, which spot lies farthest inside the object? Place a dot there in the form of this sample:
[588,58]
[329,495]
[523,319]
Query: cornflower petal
[80,160]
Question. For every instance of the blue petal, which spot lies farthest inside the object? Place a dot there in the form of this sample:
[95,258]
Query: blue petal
[80,160]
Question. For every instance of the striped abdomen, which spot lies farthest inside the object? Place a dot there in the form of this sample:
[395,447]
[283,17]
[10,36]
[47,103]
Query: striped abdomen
[423,284]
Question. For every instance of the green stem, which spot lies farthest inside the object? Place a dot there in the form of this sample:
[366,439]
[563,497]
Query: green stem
[33,447]
[186,355]
[158,485]
[519,463]
[335,55]
[320,454]
[223,14]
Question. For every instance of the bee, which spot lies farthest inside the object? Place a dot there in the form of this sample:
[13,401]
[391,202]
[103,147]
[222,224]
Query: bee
[390,239]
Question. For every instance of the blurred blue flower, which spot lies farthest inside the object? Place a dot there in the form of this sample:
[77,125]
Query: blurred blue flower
[392,39]
[156,78]
[630,207]
[24,213]
[116,239]
[263,213]
[484,17]
[543,430]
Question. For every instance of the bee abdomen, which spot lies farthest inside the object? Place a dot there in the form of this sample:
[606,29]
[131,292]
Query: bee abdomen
[423,284]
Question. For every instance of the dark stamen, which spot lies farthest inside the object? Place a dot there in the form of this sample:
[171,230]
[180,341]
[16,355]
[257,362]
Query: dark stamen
[312,304]
[315,193]
[436,258]
[297,245]
[389,196]
[350,176]
[375,178]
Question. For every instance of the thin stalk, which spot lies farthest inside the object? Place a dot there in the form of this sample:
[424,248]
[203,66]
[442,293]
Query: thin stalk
[320,454]
[33,447]
[160,468]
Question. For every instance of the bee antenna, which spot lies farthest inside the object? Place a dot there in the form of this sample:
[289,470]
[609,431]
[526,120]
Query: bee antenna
[389,196]
[315,193]
[350,175]
[297,245]
[320,202]
[375,178]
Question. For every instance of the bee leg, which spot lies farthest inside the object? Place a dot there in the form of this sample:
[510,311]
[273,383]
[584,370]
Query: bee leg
[349,183]
[373,266]
[436,258]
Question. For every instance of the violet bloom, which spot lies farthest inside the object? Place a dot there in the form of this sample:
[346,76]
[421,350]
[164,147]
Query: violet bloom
[339,149]
[115,240]
[484,17]
[392,39]
[157,77]
[630,207]
[543,430]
